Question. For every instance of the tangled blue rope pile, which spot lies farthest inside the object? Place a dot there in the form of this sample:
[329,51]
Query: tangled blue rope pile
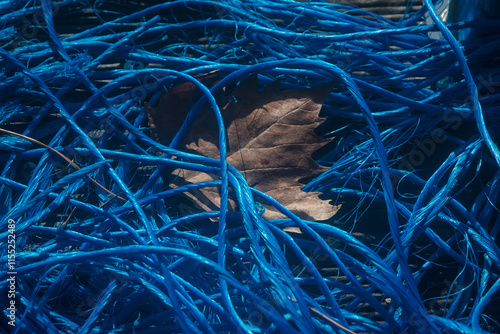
[104,244]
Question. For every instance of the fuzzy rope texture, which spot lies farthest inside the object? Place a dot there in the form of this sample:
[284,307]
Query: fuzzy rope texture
[104,244]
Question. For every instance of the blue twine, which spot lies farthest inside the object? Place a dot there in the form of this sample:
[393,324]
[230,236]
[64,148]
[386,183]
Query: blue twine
[111,246]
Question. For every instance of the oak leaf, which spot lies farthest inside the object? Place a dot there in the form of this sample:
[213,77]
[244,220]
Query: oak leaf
[270,138]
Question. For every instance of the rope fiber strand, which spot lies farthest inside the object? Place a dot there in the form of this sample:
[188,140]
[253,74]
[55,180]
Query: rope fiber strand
[96,236]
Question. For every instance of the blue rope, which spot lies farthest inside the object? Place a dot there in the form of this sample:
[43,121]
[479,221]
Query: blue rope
[114,245]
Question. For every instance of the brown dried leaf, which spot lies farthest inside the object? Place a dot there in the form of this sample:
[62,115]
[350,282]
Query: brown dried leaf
[174,106]
[270,136]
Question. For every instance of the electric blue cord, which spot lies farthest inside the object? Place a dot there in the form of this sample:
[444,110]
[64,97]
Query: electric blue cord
[134,254]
